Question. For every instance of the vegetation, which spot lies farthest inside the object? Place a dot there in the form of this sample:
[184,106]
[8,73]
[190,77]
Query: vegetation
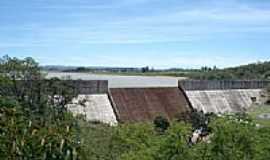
[258,111]
[35,124]
[267,90]
[161,124]
[231,137]
[260,70]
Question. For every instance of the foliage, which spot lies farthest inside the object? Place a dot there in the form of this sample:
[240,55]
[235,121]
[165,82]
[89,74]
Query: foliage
[199,120]
[260,70]
[135,141]
[145,69]
[22,80]
[22,138]
[232,137]
[34,123]
[176,144]
[96,141]
[161,124]
[267,94]
[262,150]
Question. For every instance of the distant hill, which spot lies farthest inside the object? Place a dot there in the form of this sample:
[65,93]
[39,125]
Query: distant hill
[260,70]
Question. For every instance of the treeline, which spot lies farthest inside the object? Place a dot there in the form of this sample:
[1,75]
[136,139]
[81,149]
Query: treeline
[260,70]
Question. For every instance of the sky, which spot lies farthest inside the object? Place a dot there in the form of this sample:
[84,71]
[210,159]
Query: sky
[136,33]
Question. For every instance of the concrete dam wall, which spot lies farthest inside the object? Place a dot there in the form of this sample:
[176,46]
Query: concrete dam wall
[222,84]
[223,96]
[145,104]
[99,103]
[224,101]
[89,86]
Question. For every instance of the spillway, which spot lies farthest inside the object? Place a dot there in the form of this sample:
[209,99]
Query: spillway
[95,107]
[145,104]
[224,101]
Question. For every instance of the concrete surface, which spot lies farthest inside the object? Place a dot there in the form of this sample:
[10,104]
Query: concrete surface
[222,101]
[94,107]
[145,104]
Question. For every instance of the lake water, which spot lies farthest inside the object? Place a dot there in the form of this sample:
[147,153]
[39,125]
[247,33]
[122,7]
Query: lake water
[123,81]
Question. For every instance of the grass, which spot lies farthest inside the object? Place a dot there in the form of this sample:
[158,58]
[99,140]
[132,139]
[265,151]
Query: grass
[258,110]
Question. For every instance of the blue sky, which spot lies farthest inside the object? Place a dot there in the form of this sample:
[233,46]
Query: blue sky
[135,33]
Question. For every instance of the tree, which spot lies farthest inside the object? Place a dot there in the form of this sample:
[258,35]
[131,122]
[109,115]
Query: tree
[266,75]
[34,123]
[161,124]
[22,138]
[232,139]
[176,144]
[145,69]
[267,91]
[199,120]
[23,80]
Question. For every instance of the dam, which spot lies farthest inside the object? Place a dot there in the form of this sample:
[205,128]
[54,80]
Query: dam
[96,101]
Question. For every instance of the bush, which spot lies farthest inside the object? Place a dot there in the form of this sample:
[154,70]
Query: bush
[267,94]
[33,125]
[161,124]
[22,138]
[231,138]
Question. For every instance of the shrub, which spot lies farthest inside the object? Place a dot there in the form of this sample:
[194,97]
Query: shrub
[267,94]
[22,138]
[32,124]
[161,124]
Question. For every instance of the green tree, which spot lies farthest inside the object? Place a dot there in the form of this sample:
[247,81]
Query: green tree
[267,90]
[267,75]
[176,143]
[34,123]
[145,69]
[161,124]
[262,139]
[22,138]
[23,80]
[233,139]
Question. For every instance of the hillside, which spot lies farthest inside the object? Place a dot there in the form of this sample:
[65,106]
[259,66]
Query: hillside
[260,70]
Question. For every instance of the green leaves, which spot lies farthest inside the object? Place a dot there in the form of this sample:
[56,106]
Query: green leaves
[32,124]
[161,124]
[232,137]
[21,138]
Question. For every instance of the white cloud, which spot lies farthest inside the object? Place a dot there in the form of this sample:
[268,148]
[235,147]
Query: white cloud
[121,22]
[175,25]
